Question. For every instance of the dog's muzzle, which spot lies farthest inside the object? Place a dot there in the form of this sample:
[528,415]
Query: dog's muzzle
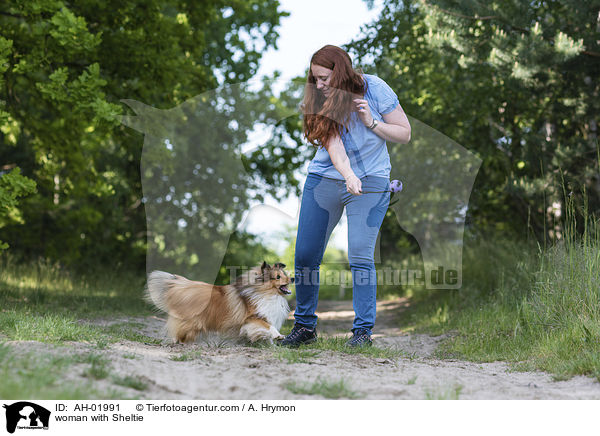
[284,290]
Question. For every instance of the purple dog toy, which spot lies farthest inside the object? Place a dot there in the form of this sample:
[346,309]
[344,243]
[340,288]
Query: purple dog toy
[395,186]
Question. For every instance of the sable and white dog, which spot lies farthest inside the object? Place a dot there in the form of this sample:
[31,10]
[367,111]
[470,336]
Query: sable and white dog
[253,307]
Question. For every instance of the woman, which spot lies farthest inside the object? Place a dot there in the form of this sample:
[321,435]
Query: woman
[349,115]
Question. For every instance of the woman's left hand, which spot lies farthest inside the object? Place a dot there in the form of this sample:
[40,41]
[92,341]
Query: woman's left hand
[364,112]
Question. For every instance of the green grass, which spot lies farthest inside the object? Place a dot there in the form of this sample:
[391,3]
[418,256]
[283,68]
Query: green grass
[532,305]
[338,344]
[294,355]
[129,381]
[21,324]
[45,287]
[128,331]
[99,366]
[535,306]
[327,389]
[185,357]
[448,393]
[44,302]
[102,343]
[42,376]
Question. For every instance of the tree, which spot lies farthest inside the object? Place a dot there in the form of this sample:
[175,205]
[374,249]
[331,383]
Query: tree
[12,186]
[65,66]
[515,82]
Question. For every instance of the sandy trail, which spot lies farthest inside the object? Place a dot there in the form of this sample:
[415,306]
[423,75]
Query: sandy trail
[220,371]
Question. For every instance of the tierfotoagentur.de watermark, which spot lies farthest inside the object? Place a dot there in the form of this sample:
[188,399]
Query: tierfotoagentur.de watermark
[386,276]
[199,185]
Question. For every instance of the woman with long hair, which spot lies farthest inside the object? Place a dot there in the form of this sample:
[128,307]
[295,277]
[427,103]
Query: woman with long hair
[348,116]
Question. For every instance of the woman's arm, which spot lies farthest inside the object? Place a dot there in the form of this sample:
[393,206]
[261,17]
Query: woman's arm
[395,126]
[339,158]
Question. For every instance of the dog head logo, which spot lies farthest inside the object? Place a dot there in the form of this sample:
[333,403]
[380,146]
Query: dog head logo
[26,415]
[195,176]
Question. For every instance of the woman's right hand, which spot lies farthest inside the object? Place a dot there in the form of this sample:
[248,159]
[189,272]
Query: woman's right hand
[339,158]
[353,185]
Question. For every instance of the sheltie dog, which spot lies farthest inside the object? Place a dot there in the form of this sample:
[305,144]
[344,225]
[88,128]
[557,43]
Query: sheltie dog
[254,307]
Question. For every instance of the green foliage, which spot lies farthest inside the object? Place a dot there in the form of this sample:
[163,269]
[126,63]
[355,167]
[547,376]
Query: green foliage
[12,186]
[534,306]
[515,82]
[243,252]
[285,152]
[64,67]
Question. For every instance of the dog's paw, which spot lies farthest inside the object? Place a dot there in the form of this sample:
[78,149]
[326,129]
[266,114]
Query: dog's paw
[275,335]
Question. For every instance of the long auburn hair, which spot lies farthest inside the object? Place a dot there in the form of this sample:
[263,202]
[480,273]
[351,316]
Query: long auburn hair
[326,117]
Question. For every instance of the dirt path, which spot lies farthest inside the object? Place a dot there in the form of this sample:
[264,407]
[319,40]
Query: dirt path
[225,371]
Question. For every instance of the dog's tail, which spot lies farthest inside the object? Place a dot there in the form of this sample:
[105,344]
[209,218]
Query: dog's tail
[176,295]
[156,288]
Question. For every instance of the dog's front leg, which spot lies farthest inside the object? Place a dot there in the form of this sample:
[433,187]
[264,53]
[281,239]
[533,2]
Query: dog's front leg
[275,335]
[256,329]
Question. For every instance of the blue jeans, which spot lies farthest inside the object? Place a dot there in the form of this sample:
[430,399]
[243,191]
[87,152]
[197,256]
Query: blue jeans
[323,201]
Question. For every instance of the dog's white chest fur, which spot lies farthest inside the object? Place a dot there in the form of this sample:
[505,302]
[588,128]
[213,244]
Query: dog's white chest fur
[274,309]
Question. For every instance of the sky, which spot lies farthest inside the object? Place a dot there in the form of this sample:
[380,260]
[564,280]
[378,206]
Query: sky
[311,25]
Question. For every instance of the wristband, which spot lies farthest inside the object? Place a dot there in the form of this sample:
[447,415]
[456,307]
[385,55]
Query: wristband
[374,124]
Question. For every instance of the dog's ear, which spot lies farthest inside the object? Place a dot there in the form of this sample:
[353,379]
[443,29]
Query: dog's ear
[279,265]
[264,266]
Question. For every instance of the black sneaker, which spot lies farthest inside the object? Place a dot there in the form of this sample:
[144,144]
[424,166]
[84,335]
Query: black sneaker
[360,338]
[298,336]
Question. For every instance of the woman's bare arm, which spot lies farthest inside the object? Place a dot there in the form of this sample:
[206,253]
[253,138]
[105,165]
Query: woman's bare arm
[339,158]
[395,127]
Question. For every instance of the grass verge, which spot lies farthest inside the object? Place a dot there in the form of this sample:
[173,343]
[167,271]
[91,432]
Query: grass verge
[44,302]
[537,307]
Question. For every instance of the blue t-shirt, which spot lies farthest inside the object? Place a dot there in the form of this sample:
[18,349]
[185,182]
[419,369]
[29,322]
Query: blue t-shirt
[366,151]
